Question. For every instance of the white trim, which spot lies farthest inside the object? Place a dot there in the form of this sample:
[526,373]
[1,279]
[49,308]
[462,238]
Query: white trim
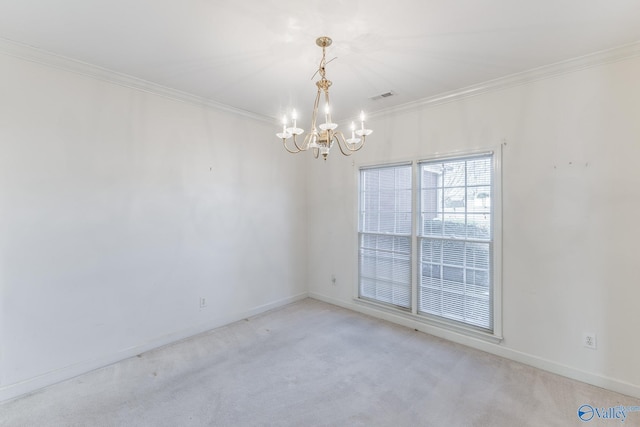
[496,217]
[456,155]
[621,53]
[385,165]
[42,57]
[608,383]
[15,390]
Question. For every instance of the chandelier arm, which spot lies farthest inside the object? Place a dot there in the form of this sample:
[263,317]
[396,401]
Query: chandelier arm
[357,146]
[316,153]
[353,147]
[339,138]
[284,144]
[344,153]
[307,141]
[295,143]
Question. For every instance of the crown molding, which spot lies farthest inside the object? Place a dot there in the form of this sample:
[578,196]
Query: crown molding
[33,54]
[621,53]
[42,57]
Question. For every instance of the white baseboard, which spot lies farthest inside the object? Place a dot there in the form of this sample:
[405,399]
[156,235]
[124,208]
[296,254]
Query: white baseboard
[597,380]
[11,391]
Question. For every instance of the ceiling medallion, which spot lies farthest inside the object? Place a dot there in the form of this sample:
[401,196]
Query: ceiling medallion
[322,137]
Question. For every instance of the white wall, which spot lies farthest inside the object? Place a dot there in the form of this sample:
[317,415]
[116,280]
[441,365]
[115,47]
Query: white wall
[119,209]
[571,197]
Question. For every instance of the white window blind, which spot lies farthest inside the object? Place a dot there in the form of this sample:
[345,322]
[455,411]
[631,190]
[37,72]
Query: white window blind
[455,240]
[385,234]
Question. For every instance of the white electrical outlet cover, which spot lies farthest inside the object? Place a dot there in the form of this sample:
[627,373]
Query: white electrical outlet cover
[589,340]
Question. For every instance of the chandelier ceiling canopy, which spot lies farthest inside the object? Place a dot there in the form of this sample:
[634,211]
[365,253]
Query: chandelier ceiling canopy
[322,137]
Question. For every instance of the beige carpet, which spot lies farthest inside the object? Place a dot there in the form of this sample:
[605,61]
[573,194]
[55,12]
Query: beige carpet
[314,364]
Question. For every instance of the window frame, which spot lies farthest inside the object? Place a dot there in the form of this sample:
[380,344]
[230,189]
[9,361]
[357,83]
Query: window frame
[412,313]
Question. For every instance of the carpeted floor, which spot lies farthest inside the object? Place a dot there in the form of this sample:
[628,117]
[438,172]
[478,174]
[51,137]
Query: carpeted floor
[314,364]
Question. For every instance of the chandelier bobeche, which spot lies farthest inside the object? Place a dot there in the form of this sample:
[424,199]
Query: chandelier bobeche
[322,137]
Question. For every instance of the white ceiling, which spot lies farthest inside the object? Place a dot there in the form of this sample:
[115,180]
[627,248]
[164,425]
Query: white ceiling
[259,55]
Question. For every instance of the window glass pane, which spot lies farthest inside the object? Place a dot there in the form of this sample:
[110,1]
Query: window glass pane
[453,174]
[479,199]
[429,201]
[385,200]
[477,255]
[479,226]
[479,171]
[453,305]
[454,225]
[432,225]
[453,252]
[431,251]
[431,301]
[454,199]
[431,175]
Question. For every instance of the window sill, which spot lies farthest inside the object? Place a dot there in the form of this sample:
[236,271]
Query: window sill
[437,323]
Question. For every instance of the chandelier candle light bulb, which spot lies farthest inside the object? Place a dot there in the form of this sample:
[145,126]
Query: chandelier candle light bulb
[285,134]
[362,131]
[353,140]
[320,141]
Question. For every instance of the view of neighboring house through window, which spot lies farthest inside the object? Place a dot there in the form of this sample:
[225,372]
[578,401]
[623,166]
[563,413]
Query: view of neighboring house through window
[453,235]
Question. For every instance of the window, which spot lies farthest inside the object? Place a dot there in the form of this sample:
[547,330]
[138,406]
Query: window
[385,234]
[454,240]
[451,231]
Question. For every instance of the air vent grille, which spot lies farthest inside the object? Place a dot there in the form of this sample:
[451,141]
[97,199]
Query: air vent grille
[383,95]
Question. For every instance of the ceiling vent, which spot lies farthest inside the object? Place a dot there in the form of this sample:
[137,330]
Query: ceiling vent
[383,95]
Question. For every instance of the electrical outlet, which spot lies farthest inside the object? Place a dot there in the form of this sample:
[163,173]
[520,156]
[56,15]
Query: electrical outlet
[589,340]
[203,302]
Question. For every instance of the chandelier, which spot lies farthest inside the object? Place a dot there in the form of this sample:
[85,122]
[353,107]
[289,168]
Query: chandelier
[323,136]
